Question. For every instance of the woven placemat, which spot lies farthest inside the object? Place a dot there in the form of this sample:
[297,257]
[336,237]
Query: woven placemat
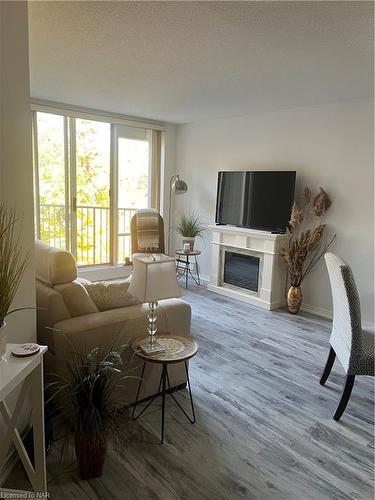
[171,346]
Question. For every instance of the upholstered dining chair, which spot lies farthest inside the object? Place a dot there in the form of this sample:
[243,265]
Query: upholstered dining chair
[147,232]
[353,346]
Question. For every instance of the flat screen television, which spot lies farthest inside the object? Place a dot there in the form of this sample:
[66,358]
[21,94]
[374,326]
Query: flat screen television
[257,199]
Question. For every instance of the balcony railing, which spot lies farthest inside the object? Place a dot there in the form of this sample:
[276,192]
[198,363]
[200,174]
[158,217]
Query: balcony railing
[93,232]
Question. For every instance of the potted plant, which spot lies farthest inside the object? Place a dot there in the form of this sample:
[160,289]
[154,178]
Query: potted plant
[189,227]
[92,405]
[305,247]
[13,263]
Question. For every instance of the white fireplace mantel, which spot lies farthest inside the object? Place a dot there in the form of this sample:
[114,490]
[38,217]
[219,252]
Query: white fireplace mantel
[262,244]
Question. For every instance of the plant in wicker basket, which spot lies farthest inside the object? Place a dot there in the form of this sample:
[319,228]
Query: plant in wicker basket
[305,242]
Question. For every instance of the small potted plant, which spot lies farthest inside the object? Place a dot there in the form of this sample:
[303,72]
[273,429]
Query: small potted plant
[12,267]
[305,245]
[190,227]
[92,405]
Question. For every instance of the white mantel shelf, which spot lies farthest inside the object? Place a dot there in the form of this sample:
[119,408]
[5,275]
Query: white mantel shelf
[254,233]
[262,244]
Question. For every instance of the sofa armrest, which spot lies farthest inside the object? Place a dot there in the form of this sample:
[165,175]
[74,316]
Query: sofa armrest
[123,325]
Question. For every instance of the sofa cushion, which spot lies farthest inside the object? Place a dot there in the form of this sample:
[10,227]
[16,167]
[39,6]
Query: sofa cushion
[53,265]
[111,294]
[76,299]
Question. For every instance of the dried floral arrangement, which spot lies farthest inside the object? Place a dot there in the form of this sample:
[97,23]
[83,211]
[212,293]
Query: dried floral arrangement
[305,244]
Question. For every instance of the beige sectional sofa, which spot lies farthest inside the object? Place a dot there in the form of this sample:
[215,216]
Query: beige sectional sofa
[76,314]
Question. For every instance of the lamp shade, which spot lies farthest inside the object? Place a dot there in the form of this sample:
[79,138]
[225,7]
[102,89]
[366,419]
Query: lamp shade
[179,186]
[154,278]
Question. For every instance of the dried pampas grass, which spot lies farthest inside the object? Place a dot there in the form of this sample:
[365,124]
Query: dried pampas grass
[321,203]
[305,246]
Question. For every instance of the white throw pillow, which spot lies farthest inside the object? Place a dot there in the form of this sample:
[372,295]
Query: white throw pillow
[111,294]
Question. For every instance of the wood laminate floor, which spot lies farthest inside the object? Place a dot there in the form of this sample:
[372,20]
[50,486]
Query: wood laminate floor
[264,425]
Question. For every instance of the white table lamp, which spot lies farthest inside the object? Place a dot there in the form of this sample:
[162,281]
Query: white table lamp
[153,279]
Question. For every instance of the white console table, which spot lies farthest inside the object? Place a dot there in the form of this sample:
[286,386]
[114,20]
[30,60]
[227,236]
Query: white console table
[24,374]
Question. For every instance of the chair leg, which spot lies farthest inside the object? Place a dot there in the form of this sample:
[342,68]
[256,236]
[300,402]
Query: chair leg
[345,397]
[328,367]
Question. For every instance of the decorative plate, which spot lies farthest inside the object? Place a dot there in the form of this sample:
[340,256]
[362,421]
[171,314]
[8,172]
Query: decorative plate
[23,350]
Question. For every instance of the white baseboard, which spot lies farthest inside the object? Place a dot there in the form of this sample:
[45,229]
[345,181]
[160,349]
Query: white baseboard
[204,277]
[327,314]
[317,311]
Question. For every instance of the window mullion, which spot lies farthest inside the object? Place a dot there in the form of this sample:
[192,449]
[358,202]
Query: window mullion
[114,195]
[67,184]
[36,174]
[73,186]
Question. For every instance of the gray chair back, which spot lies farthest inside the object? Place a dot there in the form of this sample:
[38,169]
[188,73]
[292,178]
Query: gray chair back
[346,327]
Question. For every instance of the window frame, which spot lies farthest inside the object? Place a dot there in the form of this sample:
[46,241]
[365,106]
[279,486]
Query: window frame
[154,133]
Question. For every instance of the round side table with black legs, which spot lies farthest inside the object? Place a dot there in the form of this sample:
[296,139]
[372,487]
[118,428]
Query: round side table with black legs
[177,350]
[186,267]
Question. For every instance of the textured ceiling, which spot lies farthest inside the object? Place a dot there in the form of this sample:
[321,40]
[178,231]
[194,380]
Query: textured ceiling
[190,61]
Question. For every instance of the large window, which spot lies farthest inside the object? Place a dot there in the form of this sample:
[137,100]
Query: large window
[92,191]
[51,210]
[90,177]
[133,186]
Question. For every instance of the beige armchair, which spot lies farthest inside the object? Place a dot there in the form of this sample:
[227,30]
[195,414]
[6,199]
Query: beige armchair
[76,314]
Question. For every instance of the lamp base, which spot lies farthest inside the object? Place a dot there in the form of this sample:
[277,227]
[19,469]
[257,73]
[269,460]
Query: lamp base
[151,347]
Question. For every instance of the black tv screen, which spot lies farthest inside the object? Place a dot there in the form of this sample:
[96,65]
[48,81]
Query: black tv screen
[258,199]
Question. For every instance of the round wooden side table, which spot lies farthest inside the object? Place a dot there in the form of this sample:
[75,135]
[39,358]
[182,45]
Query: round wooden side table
[185,265]
[177,350]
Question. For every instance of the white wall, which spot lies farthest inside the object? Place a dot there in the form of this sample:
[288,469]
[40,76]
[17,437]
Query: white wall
[329,145]
[16,174]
